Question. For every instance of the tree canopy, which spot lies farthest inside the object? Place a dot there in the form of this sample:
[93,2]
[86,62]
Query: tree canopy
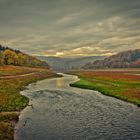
[10,56]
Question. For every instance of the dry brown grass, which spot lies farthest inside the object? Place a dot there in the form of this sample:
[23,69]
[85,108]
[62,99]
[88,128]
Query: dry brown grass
[122,84]
[10,99]
[115,75]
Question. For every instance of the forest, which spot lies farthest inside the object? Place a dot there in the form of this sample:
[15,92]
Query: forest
[10,56]
[126,59]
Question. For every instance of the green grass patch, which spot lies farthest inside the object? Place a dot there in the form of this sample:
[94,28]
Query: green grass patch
[114,88]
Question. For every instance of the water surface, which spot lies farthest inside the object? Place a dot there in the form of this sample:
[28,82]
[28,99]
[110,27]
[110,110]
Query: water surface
[61,112]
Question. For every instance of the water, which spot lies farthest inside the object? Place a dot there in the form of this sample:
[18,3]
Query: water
[61,112]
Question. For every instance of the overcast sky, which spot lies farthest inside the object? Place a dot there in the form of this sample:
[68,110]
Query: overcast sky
[70,27]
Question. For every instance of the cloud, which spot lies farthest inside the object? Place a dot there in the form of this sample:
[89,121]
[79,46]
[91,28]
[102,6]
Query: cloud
[64,28]
[82,51]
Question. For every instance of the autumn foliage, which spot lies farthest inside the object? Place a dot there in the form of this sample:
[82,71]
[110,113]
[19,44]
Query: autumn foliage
[127,59]
[9,56]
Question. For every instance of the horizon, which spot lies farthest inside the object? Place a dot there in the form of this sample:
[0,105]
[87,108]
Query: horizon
[69,69]
[70,28]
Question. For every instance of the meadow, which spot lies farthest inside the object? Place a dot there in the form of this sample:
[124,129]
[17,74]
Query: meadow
[13,79]
[120,83]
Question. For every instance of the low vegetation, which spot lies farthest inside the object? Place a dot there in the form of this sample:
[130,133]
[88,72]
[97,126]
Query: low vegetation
[11,102]
[122,84]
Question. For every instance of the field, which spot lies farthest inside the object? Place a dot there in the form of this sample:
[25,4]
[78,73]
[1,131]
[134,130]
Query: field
[12,81]
[122,84]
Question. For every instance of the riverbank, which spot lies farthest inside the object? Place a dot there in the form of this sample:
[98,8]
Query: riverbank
[12,81]
[121,84]
[63,112]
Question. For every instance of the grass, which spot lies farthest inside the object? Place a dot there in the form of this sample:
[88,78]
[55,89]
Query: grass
[11,102]
[12,70]
[122,84]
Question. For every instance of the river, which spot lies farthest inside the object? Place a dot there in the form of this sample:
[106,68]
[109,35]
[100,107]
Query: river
[61,112]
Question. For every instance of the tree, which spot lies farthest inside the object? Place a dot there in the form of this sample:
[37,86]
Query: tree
[9,57]
[1,58]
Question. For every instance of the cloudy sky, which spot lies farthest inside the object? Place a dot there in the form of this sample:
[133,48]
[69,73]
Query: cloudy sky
[68,28]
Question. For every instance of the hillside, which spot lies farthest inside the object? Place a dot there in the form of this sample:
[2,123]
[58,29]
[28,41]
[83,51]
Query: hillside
[62,64]
[10,56]
[127,59]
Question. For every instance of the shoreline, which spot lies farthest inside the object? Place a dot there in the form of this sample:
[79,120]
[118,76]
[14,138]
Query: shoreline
[105,88]
[19,112]
[53,108]
[90,88]
[12,102]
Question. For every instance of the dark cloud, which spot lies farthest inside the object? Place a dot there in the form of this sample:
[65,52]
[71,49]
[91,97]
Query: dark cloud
[76,27]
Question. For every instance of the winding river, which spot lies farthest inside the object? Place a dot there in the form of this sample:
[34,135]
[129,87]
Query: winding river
[61,112]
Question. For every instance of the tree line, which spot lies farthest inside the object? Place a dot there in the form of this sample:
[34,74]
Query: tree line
[10,56]
[127,59]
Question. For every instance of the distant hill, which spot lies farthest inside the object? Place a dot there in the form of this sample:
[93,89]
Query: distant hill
[10,56]
[127,59]
[62,64]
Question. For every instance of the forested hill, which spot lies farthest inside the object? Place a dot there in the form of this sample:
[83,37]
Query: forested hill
[127,59]
[10,56]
